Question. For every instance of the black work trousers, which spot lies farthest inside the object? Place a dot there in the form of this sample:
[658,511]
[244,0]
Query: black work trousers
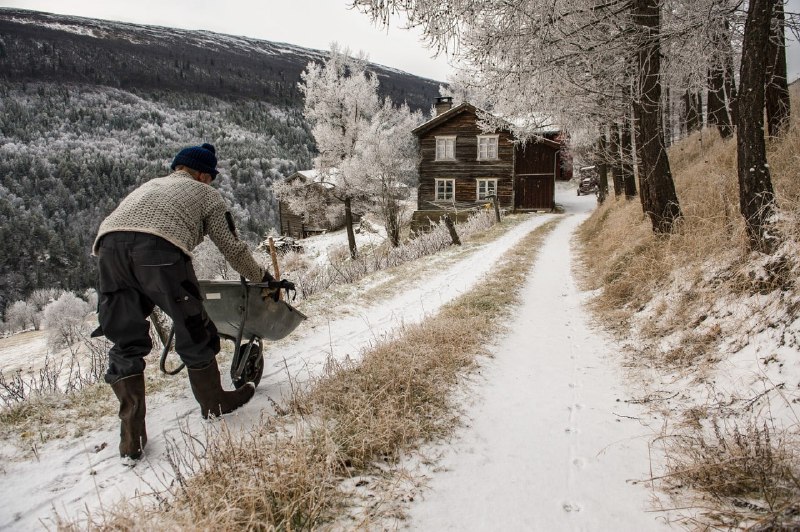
[137,272]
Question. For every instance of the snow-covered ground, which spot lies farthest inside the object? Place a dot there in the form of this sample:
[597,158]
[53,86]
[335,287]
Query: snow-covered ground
[549,444]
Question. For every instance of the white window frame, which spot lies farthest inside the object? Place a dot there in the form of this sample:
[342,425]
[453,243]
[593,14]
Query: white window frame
[486,192]
[443,183]
[448,148]
[488,154]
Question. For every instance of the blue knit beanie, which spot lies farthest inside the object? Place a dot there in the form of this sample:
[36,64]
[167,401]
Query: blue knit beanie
[201,158]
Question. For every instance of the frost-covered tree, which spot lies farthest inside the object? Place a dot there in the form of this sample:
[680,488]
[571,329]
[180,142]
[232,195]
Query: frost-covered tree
[385,161]
[39,299]
[341,98]
[20,315]
[65,319]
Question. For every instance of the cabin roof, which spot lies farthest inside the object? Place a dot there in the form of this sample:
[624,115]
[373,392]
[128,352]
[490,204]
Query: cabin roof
[467,107]
[328,179]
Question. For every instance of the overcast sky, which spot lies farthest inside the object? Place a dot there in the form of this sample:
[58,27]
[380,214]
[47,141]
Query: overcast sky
[309,23]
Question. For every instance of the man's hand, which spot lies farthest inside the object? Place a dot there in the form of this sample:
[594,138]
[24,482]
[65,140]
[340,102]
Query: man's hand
[275,287]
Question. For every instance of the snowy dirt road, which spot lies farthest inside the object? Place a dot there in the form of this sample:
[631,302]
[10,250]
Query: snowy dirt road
[550,443]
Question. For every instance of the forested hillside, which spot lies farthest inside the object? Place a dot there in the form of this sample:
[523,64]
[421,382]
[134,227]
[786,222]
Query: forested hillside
[89,109]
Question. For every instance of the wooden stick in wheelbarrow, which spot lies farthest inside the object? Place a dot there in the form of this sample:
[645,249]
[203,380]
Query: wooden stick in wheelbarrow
[275,268]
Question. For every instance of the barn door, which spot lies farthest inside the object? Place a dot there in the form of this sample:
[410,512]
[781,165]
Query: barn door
[534,192]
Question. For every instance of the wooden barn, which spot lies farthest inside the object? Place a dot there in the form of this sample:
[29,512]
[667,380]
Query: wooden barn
[304,224]
[460,165]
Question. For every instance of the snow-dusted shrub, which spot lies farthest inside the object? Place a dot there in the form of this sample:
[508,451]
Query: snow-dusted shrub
[21,315]
[19,387]
[65,319]
[90,296]
[41,297]
[751,461]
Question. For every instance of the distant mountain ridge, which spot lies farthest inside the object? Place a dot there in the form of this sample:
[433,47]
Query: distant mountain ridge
[37,46]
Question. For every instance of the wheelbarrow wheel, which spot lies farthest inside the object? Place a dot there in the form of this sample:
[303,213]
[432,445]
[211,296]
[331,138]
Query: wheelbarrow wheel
[253,369]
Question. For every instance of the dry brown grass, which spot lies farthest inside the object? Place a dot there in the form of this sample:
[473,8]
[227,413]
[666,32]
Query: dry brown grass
[287,473]
[750,475]
[43,417]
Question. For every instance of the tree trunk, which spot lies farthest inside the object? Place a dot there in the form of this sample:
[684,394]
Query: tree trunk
[756,196]
[692,112]
[616,159]
[602,167]
[391,216]
[777,91]
[161,329]
[730,80]
[657,190]
[348,222]
[717,110]
[717,105]
[628,177]
[666,117]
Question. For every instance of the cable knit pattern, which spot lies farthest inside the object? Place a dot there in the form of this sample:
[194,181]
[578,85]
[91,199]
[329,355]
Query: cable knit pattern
[181,210]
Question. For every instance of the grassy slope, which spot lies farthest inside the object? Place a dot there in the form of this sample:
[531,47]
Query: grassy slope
[716,324]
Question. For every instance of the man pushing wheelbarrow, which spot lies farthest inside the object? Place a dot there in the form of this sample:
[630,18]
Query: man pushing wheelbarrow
[144,250]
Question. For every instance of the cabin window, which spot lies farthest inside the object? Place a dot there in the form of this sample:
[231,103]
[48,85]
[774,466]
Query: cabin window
[487,147]
[486,188]
[445,148]
[444,189]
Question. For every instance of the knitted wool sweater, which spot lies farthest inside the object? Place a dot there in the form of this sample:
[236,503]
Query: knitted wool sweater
[182,211]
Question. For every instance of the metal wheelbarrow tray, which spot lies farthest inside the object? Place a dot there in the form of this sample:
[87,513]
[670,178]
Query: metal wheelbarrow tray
[241,314]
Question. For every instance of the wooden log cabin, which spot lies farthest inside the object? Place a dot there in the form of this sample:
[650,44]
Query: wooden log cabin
[460,165]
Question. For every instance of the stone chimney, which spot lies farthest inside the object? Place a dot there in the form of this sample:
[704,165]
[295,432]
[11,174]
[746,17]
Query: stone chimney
[443,104]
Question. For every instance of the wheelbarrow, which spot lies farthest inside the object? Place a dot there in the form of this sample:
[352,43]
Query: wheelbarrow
[242,315]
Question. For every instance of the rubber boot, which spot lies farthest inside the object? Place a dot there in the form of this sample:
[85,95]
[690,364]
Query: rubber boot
[133,434]
[207,389]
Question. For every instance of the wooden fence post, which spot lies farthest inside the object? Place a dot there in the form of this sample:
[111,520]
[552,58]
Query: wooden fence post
[496,208]
[452,228]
